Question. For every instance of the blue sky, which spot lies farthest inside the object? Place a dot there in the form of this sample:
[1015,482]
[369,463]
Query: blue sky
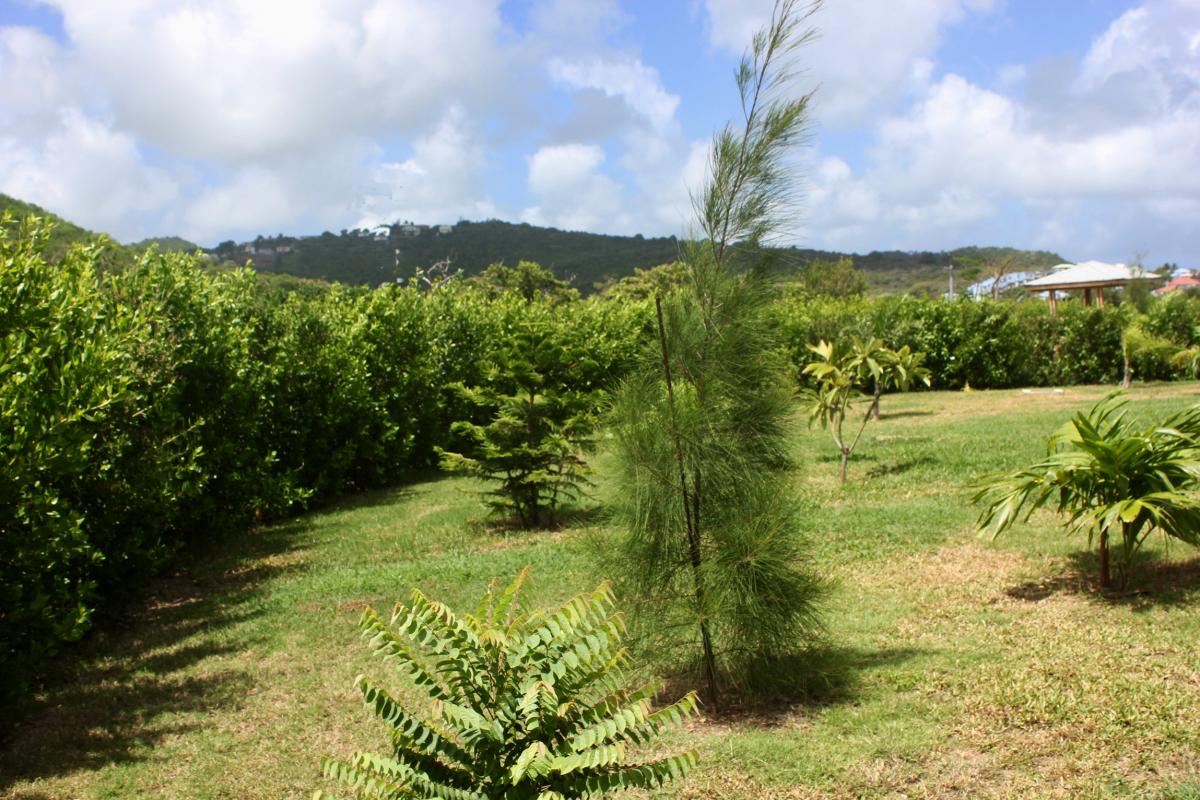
[1073,127]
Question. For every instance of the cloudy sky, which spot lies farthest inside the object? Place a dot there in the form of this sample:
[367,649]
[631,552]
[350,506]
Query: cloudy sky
[1069,125]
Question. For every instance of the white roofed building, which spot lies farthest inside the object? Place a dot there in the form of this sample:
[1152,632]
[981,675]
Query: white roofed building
[1092,277]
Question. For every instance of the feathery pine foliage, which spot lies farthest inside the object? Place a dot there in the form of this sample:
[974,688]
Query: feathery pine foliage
[540,423]
[522,705]
[701,427]
[1111,478]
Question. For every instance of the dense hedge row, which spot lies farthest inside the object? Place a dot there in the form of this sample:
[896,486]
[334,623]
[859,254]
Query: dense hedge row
[145,408]
[992,345]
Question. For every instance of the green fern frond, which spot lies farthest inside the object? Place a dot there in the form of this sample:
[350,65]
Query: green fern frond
[523,705]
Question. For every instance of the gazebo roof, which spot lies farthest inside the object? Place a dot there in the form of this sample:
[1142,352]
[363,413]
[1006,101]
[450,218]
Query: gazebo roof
[1089,274]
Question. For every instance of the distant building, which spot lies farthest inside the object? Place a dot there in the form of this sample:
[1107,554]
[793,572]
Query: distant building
[410,230]
[1184,281]
[283,248]
[249,248]
[1009,280]
[443,229]
[1090,277]
[382,234]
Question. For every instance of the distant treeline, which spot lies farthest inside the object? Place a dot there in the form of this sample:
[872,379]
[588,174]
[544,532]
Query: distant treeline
[588,260]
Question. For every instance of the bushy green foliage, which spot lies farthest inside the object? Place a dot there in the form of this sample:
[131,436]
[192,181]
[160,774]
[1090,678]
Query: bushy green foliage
[528,279]
[1109,477]
[59,353]
[985,344]
[822,277]
[521,705]
[1176,318]
[540,420]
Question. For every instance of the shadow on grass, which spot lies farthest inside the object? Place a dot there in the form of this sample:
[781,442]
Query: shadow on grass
[135,683]
[900,467]
[1153,581]
[154,672]
[370,498]
[886,415]
[565,518]
[822,676]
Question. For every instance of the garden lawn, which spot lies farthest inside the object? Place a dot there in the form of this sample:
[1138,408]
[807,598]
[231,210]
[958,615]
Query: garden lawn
[955,666]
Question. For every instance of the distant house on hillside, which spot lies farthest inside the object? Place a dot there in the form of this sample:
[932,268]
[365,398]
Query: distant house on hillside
[410,230]
[382,234]
[443,229]
[283,248]
[1007,281]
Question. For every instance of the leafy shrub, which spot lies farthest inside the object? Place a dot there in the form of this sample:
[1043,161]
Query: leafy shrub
[1151,357]
[1175,318]
[525,705]
[63,376]
[843,372]
[150,406]
[986,344]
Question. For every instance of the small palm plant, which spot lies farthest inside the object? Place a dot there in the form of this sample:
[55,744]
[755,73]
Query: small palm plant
[1113,480]
[522,705]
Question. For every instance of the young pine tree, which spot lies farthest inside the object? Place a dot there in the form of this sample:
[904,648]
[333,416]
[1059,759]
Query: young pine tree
[539,426]
[702,427]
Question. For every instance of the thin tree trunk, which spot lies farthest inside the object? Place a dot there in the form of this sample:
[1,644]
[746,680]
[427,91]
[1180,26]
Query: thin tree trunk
[691,511]
[1105,575]
[845,462]
[1126,380]
[875,402]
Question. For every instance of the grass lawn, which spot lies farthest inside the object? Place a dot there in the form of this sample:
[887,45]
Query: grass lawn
[956,667]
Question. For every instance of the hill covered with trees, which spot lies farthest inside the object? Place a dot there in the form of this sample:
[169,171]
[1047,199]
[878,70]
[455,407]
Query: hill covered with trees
[587,259]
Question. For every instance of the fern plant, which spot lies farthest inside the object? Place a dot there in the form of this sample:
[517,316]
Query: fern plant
[522,705]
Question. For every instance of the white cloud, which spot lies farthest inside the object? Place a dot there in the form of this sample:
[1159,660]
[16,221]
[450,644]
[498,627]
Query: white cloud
[572,192]
[441,182]
[1093,168]
[233,81]
[255,200]
[628,78]
[868,53]
[87,172]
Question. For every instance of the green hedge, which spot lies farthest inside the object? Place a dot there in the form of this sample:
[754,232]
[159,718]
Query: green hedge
[147,408]
[994,345]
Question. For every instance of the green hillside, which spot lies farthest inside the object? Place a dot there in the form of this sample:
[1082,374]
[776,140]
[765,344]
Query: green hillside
[64,233]
[366,258]
[166,244]
[360,257]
